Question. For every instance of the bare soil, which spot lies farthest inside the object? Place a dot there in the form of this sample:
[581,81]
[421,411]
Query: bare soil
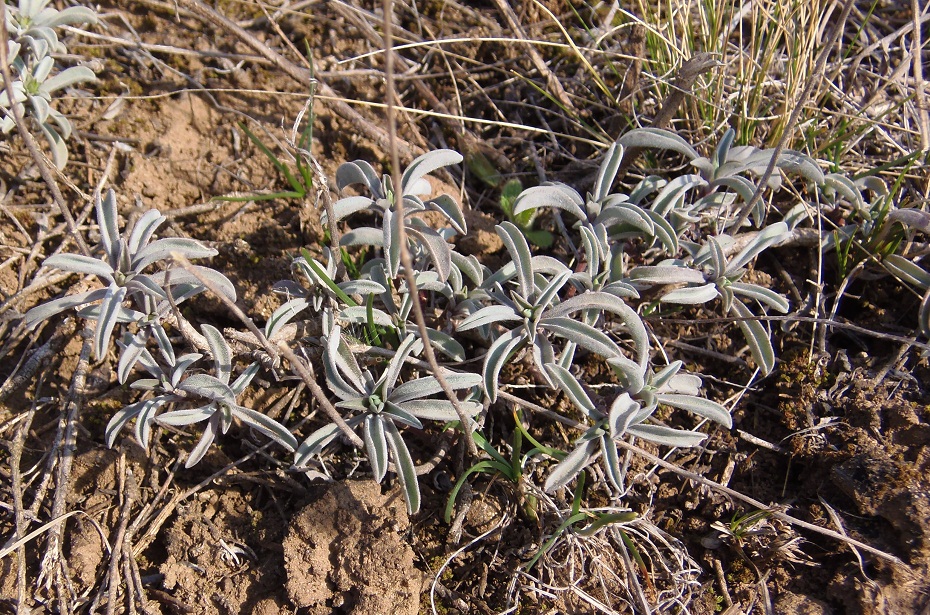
[839,438]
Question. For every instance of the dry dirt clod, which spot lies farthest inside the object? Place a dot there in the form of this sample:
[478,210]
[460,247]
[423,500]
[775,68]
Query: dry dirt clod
[345,553]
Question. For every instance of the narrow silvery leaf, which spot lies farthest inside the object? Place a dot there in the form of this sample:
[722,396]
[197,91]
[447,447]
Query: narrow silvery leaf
[801,164]
[585,336]
[344,208]
[428,385]
[106,322]
[594,254]
[698,405]
[666,274]
[406,471]
[555,195]
[645,187]
[767,237]
[906,271]
[56,143]
[401,415]
[119,420]
[343,361]
[427,163]
[268,426]
[130,355]
[723,147]
[718,259]
[757,337]
[408,346]
[208,387]
[446,344]
[624,411]
[607,172]
[672,195]
[469,266]
[78,263]
[665,374]
[188,416]
[50,308]
[664,232]
[376,445]
[283,315]
[437,247]
[923,315]
[180,367]
[163,249]
[495,358]
[519,251]
[222,354]
[550,292]
[627,213]
[177,276]
[363,236]
[611,461]
[145,418]
[912,219]
[359,315]
[667,435]
[572,388]
[547,265]
[685,384]
[361,287]
[693,295]
[568,468]
[317,441]
[238,386]
[107,221]
[610,303]
[359,172]
[764,295]
[446,205]
[146,285]
[391,230]
[742,186]
[209,434]
[488,315]
[657,138]
[631,375]
[439,409]
[68,77]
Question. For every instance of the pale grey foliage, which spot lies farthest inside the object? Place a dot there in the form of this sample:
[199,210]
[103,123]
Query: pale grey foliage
[379,403]
[429,243]
[31,27]
[640,392]
[195,398]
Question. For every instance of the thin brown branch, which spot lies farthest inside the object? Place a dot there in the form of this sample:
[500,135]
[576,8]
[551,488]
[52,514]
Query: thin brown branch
[468,425]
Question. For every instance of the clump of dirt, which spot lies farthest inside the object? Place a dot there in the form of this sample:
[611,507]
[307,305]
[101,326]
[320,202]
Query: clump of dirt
[345,553]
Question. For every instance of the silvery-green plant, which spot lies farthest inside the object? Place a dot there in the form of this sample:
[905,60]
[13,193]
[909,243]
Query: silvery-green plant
[379,403]
[122,268]
[720,180]
[603,209]
[427,242]
[710,274]
[205,398]
[533,307]
[31,28]
[641,392]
